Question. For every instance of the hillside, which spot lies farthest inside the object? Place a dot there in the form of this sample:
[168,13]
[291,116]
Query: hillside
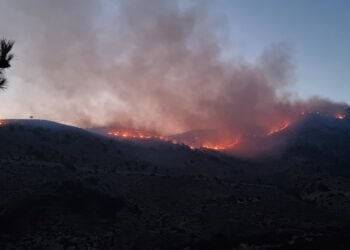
[68,188]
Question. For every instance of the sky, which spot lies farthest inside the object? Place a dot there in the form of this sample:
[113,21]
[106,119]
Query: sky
[317,30]
[76,59]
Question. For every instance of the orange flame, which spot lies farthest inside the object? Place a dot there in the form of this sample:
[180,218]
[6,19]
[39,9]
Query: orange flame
[340,116]
[278,128]
[144,135]
[221,146]
[134,134]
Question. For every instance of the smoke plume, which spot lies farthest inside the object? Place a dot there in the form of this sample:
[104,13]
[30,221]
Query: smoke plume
[161,65]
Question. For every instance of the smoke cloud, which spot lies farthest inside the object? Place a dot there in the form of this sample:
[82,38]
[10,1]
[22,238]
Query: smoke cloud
[160,65]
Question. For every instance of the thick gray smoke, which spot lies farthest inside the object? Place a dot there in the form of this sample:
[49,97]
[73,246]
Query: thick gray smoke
[155,64]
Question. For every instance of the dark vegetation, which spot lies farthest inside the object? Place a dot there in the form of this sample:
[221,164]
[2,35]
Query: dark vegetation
[57,193]
[5,59]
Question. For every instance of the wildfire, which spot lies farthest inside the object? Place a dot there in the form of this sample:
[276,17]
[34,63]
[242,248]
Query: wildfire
[279,128]
[144,135]
[135,134]
[221,146]
[220,143]
[340,116]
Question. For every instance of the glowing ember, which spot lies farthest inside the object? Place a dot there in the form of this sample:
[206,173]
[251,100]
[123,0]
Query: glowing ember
[279,128]
[134,134]
[138,134]
[222,146]
[340,116]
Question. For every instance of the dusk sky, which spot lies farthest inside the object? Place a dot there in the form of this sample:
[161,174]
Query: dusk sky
[317,30]
[53,45]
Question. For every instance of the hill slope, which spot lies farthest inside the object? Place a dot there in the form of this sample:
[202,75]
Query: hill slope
[67,187]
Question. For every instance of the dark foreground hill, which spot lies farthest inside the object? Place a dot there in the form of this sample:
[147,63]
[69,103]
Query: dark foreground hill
[66,188]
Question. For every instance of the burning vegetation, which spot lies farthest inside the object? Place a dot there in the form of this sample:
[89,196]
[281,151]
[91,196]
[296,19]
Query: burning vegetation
[340,116]
[132,134]
[219,141]
[279,128]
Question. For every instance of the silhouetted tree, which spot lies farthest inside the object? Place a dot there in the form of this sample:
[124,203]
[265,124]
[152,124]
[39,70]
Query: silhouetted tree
[5,58]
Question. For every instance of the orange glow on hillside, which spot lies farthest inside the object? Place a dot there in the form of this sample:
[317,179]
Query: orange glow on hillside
[221,146]
[145,135]
[278,128]
[134,134]
[220,143]
[340,116]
